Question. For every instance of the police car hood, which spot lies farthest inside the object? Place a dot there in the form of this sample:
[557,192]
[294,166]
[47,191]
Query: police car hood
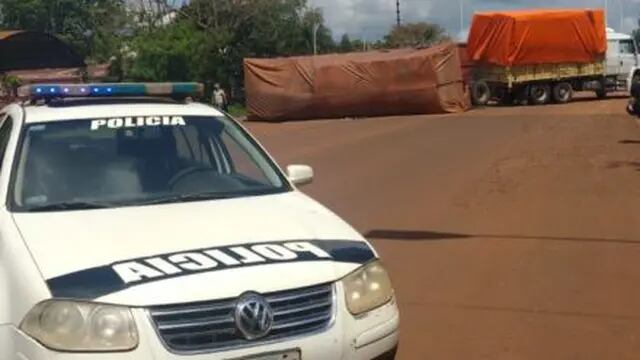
[193,251]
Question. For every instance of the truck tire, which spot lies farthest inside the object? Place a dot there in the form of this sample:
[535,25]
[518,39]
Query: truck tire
[562,93]
[480,93]
[540,94]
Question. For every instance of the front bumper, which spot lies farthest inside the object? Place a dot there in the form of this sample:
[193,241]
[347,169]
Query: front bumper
[371,336]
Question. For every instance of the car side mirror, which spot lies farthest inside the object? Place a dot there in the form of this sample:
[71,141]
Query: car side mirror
[300,174]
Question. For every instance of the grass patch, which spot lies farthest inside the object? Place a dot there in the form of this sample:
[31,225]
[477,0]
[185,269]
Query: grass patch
[237,110]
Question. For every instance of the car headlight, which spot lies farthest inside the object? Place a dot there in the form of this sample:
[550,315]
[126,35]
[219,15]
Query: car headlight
[81,327]
[367,288]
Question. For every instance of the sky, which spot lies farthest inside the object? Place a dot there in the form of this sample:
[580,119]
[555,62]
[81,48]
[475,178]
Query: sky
[371,19]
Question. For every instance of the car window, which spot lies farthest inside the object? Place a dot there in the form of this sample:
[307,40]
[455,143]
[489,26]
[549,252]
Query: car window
[242,161]
[127,162]
[190,149]
[627,47]
[5,135]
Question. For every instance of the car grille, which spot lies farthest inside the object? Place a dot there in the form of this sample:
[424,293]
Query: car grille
[210,326]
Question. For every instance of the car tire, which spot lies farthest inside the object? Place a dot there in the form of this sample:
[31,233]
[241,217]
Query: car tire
[562,93]
[480,93]
[539,94]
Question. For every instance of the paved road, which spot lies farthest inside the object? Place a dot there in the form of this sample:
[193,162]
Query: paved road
[510,233]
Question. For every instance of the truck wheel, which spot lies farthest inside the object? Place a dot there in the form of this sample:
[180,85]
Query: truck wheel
[601,93]
[480,93]
[540,94]
[562,92]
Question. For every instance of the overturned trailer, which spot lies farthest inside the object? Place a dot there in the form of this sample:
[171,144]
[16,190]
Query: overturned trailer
[395,82]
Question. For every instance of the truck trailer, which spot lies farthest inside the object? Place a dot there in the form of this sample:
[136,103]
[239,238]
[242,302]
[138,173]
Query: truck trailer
[543,56]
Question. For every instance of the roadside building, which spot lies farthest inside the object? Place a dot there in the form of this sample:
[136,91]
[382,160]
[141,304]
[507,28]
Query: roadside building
[35,57]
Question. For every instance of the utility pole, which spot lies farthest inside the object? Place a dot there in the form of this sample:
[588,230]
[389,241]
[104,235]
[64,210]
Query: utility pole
[316,27]
[398,20]
[621,17]
[461,17]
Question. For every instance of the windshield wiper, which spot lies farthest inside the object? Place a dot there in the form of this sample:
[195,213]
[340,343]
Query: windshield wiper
[189,197]
[70,205]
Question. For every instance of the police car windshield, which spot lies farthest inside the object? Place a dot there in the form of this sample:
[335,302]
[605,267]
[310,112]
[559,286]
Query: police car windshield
[138,161]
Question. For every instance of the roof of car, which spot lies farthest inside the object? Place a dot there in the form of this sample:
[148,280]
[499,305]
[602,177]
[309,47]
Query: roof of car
[97,110]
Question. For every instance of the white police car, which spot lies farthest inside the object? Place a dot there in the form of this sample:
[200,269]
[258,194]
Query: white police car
[139,225]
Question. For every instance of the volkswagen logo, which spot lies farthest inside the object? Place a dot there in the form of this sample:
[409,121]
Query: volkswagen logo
[253,316]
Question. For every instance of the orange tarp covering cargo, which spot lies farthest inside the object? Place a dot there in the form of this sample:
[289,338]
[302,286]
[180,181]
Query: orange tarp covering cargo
[407,81]
[538,37]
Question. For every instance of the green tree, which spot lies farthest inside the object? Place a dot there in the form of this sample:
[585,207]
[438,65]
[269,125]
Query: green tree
[310,19]
[263,27]
[346,45]
[92,27]
[167,54]
[208,40]
[25,14]
[415,35]
[358,45]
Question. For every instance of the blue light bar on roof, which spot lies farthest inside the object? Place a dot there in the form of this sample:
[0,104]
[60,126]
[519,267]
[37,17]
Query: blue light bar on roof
[48,91]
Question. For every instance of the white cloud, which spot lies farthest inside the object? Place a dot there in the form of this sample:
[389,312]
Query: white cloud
[372,19]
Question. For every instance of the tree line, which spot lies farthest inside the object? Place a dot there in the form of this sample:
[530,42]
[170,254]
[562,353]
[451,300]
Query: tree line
[196,40]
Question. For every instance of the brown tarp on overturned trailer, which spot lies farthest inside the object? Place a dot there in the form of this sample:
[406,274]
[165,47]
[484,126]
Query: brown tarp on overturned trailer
[406,81]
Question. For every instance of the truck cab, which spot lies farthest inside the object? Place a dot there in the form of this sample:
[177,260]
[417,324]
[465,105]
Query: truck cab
[622,55]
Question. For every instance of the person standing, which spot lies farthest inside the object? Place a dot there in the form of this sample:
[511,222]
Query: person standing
[219,98]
